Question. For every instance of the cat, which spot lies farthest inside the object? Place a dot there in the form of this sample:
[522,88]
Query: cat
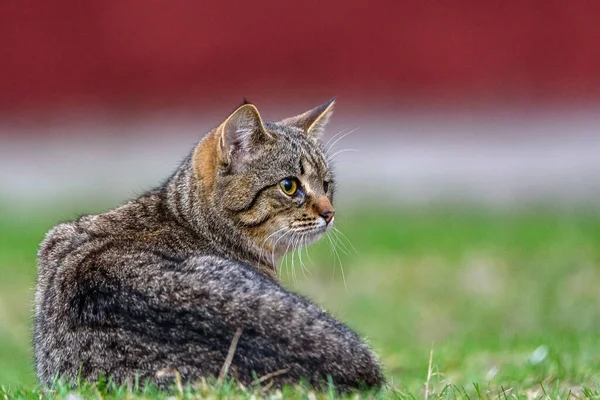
[166,281]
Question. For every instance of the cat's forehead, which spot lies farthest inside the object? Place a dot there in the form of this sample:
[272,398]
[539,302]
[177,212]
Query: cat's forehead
[296,148]
[293,138]
[283,131]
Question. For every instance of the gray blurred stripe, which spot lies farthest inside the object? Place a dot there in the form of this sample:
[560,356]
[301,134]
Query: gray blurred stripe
[485,158]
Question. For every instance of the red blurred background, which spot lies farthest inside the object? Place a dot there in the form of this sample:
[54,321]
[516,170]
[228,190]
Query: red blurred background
[66,53]
[490,101]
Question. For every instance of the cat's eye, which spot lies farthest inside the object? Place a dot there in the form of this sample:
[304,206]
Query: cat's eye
[325,186]
[289,186]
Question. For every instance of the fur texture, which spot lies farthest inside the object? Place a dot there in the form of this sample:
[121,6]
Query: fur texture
[164,281]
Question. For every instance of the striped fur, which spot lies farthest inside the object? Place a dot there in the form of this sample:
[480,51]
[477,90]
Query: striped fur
[163,282]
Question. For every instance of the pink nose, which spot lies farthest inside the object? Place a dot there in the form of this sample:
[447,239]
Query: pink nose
[327,215]
[324,209]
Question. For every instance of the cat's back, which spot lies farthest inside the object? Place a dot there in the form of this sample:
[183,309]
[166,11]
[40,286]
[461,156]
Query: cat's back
[139,227]
[60,243]
[67,250]
[68,245]
[81,262]
[57,255]
[100,247]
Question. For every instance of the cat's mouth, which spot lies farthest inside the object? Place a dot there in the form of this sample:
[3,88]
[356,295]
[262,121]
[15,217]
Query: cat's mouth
[310,233]
[299,234]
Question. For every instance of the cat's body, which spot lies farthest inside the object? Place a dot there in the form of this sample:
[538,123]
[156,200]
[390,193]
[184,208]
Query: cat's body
[164,282]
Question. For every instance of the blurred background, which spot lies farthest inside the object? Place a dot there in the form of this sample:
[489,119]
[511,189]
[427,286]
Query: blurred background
[468,187]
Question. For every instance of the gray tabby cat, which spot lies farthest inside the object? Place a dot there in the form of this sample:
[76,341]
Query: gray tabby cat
[165,281]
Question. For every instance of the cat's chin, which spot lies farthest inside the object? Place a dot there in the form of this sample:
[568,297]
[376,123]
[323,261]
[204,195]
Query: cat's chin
[311,238]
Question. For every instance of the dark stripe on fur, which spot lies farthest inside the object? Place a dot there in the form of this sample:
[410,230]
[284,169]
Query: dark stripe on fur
[253,202]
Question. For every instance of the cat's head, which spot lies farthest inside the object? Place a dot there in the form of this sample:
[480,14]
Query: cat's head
[271,180]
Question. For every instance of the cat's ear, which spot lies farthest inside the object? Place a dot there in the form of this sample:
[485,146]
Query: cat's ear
[313,121]
[242,130]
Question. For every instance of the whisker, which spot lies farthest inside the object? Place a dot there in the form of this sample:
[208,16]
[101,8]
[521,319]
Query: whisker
[331,157]
[302,267]
[340,138]
[293,266]
[275,246]
[265,241]
[298,242]
[308,255]
[340,261]
[298,247]
[334,253]
[341,246]
[346,162]
[272,234]
[286,259]
[291,275]
[344,243]
[302,244]
[306,244]
[335,136]
[331,256]
[346,239]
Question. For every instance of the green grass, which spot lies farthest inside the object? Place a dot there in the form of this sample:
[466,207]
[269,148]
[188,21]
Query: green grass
[507,304]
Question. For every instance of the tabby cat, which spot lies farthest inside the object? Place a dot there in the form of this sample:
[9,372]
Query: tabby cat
[164,282]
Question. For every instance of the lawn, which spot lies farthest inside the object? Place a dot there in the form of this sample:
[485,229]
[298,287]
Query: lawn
[456,302]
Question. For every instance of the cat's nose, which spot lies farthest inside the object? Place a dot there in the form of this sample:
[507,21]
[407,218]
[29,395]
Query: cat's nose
[327,215]
[324,208]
